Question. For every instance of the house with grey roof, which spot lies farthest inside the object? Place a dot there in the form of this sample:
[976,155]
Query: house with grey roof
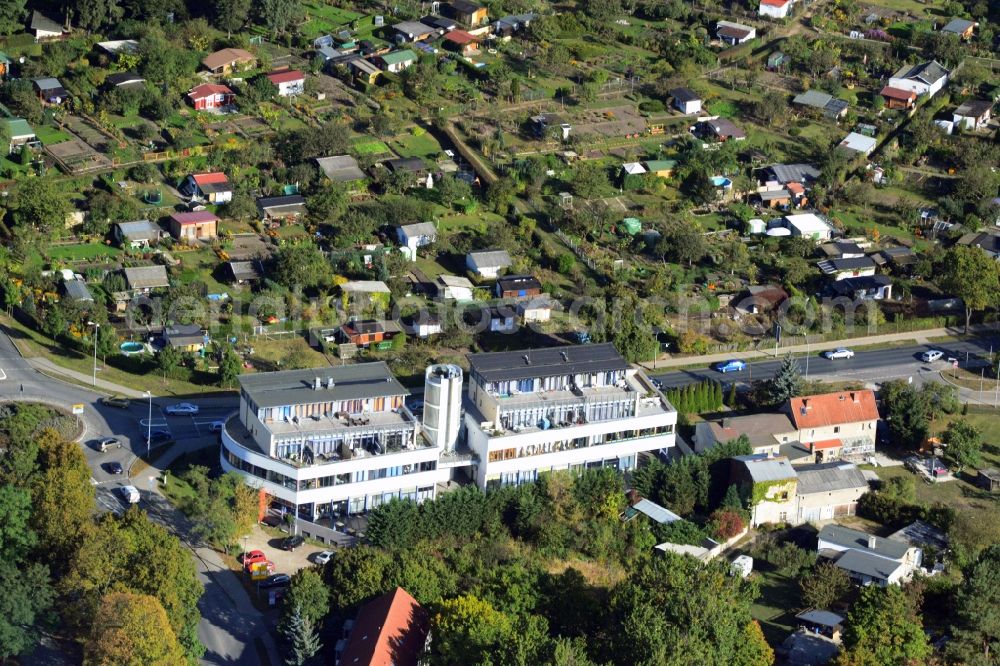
[137,234]
[959,26]
[866,558]
[766,432]
[830,106]
[972,114]
[414,236]
[340,168]
[488,263]
[828,490]
[44,27]
[143,279]
[770,482]
[926,78]
[76,290]
[50,90]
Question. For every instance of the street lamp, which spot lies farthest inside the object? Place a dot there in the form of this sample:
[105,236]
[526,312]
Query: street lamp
[97,327]
[149,423]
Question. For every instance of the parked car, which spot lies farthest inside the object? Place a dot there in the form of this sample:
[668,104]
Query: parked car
[931,355]
[108,443]
[324,557]
[217,426]
[276,580]
[113,467]
[733,365]
[116,401]
[159,437]
[292,542]
[253,557]
[130,494]
[839,353]
[181,408]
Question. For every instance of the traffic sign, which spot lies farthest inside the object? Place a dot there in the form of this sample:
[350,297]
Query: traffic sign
[78,409]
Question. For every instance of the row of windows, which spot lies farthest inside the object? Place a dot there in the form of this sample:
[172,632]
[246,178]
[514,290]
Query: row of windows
[576,443]
[527,476]
[327,481]
[545,416]
[345,445]
[329,408]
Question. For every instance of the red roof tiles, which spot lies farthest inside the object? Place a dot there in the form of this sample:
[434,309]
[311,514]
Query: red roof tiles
[828,409]
[391,630]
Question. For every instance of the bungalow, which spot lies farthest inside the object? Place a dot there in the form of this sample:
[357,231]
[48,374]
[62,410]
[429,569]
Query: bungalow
[858,143]
[830,106]
[721,129]
[775,8]
[370,333]
[411,167]
[244,272]
[137,234]
[866,558]
[20,133]
[198,225]
[287,207]
[413,31]
[50,91]
[972,114]
[779,175]
[686,101]
[487,263]
[461,42]
[518,286]
[502,319]
[898,98]
[397,61]
[835,425]
[213,187]
[844,268]
[364,71]
[661,168]
[44,27]
[76,290]
[439,23]
[864,288]
[454,288]
[143,279]
[185,337]
[210,96]
[808,225]
[959,26]
[898,258]
[924,79]
[226,61]
[341,169]
[124,80]
[414,236]
[506,27]
[289,83]
[734,33]
[422,325]
[538,309]
[776,198]
[469,14]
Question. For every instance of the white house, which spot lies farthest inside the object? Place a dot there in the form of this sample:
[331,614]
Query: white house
[847,267]
[775,8]
[289,83]
[858,143]
[686,101]
[44,27]
[560,408]
[414,236]
[734,33]
[866,558]
[137,234]
[927,78]
[502,319]
[454,288]
[973,114]
[487,263]
[808,225]
[536,310]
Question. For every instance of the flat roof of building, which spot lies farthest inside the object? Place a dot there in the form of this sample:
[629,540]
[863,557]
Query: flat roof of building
[292,387]
[547,362]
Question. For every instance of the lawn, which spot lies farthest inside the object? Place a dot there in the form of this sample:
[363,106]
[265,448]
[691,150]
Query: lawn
[201,265]
[724,108]
[775,609]
[371,147]
[413,145]
[50,135]
[82,252]
[176,489]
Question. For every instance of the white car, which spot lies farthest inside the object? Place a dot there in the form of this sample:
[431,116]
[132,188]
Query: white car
[931,355]
[839,353]
[181,408]
[324,557]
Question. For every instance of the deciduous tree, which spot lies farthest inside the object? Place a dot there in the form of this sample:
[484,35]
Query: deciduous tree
[824,585]
[972,275]
[963,445]
[308,596]
[977,612]
[883,628]
[132,629]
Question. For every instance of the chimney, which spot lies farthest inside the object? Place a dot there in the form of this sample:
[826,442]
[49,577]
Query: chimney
[855,397]
[805,404]
[871,542]
[329,383]
[317,383]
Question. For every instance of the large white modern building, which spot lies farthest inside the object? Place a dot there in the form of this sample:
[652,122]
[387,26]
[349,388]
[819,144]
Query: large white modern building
[560,408]
[330,441]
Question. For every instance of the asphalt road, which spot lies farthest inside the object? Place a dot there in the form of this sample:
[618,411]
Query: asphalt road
[868,366]
[227,633]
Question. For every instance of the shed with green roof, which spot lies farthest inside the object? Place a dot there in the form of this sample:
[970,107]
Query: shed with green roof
[19,131]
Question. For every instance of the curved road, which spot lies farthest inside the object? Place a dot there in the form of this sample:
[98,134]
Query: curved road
[230,624]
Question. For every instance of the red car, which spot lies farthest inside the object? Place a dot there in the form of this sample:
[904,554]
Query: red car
[253,557]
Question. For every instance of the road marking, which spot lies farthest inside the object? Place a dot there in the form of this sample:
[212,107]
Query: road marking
[155,423]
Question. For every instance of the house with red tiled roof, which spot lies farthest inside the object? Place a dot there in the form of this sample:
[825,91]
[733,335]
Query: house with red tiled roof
[212,187]
[835,425]
[897,98]
[775,8]
[210,97]
[199,225]
[390,630]
[289,82]
[462,42]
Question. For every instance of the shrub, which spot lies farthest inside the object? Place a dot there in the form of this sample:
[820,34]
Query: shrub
[652,106]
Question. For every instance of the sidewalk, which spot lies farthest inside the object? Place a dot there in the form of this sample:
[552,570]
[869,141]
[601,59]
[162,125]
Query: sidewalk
[916,337]
[47,367]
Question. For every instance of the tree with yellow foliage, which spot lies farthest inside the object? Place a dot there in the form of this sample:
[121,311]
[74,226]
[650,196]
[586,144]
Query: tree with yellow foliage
[132,630]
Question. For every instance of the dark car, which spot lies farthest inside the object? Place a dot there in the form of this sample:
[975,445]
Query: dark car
[113,467]
[159,437]
[276,580]
[116,401]
[292,542]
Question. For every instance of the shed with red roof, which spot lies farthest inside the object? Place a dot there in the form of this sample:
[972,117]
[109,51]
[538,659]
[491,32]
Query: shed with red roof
[210,96]
[199,225]
[289,82]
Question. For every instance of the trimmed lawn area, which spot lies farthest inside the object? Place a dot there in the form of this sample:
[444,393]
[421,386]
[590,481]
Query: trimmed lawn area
[412,145]
[83,252]
[776,607]
[49,135]
[370,147]
[724,108]
[200,265]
